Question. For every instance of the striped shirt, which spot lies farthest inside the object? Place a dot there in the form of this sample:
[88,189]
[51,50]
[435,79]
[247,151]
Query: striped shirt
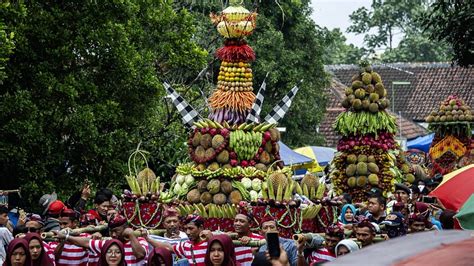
[130,259]
[194,253]
[50,252]
[72,254]
[244,255]
[321,255]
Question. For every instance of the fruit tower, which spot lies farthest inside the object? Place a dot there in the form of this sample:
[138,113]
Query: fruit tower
[368,155]
[452,124]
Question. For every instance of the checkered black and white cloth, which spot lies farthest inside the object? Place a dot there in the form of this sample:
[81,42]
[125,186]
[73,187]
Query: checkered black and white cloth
[254,115]
[188,114]
[279,111]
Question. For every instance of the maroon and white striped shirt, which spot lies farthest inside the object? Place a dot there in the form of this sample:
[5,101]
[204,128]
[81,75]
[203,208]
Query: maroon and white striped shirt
[72,254]
[194,253]
[49,251]
[244,255]
[321,255]
[130,259]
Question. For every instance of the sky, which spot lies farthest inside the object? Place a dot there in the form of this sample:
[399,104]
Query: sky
[335,14]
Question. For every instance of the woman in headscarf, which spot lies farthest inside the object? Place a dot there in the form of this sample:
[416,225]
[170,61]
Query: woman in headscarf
[18,253]
[346,246]
[220,251]
[347,217]
[112,253]
[159,257]
[422,209]
[38,251]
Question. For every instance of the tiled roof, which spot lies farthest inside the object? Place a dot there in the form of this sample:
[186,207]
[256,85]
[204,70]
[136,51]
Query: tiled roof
[430,83]
[334,108]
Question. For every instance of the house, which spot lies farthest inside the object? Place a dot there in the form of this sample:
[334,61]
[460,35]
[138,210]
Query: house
[414,90]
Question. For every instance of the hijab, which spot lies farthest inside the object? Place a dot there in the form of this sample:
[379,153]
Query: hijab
[106,246]
[350,244]
[162,253]
[14,244]
[43,259]
[343,212]
[227,246]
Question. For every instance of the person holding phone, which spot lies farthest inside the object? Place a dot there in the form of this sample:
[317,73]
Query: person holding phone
[269,225]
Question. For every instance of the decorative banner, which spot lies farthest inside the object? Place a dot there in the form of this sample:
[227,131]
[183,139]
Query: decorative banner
[254,115]
[188,114]
[282,107]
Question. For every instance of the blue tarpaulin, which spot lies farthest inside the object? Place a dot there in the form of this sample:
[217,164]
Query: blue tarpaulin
[421,143]
[291,157]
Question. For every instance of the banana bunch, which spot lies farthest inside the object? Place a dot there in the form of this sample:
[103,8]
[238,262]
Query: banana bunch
[245,144]
[221,211]
[206,173]
[208,123]
[312,193]
[283,193]
[362,123]
[185,169]
[241,188]
[146,182]
[233,172]
[311,211]
[167,197]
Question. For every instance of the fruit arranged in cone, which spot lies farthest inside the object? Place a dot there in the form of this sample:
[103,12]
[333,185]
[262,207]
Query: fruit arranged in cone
[452,124]
[368,154]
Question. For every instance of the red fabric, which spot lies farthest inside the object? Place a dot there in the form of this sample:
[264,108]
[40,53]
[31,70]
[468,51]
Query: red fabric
[71,254]
[44,259]
[455,192]
[14,244]
[162,253]
[106,246]
[183,250]
[130,259]
[96,215]
[150,214]
[321,255]
[244,255]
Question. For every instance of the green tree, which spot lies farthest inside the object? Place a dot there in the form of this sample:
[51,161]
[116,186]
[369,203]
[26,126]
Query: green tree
[452,21]
[389,18]
[83,86]
[336,50]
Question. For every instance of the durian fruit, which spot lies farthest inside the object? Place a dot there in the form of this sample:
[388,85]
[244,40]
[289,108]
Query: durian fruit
[265,157]
[226,187]
[357,84]
[261,167]
[373,179]
[219,199]
[202,185]
[373,97]
[373,168]
[193,196]
[201,167]
[361,181]
[200,153]
[365,104]
[380,90]
[206,141]
[210,153]
[352,181]
[214,186]
[351,169]
[277,178]
[146,174]
[223,157]
[213,167]
[310,180]
[275,134]
[362,158]
[206,198]
[370,88]
[348,91]
[226,166]
[217,141]
[352,158]
[366,78]
[268,147]
[197,139]
[235,197]
[373,108]
[362,168]
[360,94]
[357,104]
[371,159]
[376,77]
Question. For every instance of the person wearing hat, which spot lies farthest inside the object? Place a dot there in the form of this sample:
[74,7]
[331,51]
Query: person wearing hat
[242,223]
[394,225]
[269,224]
[136,248]
[194,249]
[51,221]
[402,193]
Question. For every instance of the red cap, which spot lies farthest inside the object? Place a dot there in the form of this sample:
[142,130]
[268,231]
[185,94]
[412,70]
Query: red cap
[56,207]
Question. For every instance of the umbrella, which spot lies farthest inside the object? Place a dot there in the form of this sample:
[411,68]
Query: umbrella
[456,187]
[465,216]
[321,155]
[292,158]
[421,143]
[412,246]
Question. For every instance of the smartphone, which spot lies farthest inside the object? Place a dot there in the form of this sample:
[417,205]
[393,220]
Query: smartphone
[273,244]
[427,199]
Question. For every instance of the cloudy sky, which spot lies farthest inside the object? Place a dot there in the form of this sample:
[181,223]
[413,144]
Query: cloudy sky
[335,14]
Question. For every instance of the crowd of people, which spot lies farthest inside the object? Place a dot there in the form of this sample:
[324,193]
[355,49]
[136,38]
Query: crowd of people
[52,237]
